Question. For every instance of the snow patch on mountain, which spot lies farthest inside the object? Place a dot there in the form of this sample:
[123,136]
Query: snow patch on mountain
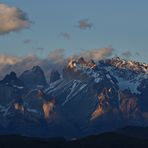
[125,84]
[74,90]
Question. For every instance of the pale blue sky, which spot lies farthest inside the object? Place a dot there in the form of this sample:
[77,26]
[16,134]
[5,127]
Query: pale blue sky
[122,24]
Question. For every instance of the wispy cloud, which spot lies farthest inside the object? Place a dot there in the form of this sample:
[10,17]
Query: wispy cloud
[65,35]
[137,53]
[85,24]
[126,54]
[27,41]
[12,19]
[97,54]
[41,49]
[57,55]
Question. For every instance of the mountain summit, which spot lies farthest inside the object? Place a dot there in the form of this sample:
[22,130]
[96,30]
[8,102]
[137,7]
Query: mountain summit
[11,79]
[34,77]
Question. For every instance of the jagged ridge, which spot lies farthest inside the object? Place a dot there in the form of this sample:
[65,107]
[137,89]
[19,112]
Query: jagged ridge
[89,98]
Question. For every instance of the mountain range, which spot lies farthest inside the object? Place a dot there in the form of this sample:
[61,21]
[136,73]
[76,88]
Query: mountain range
[87,98]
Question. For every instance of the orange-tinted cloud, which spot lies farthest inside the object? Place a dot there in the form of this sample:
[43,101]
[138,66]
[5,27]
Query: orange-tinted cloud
[97,54]
[12,19]
[8,60]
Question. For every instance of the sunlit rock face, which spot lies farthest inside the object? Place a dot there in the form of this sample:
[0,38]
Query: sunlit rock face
[90,63]
[74,69]
[48,108]
[72,64]
[131,65]
[19,107]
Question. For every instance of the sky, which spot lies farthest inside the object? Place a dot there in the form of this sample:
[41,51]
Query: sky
[43,26]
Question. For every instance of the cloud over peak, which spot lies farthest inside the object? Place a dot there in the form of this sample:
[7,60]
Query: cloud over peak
[4,59]
[97,54]
[126,54]
[56,59]
[12,19]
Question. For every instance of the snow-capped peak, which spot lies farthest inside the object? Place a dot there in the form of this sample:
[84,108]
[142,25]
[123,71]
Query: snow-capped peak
[115,69]
[129,74]
[81,63]
[89,69]
[128,64]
